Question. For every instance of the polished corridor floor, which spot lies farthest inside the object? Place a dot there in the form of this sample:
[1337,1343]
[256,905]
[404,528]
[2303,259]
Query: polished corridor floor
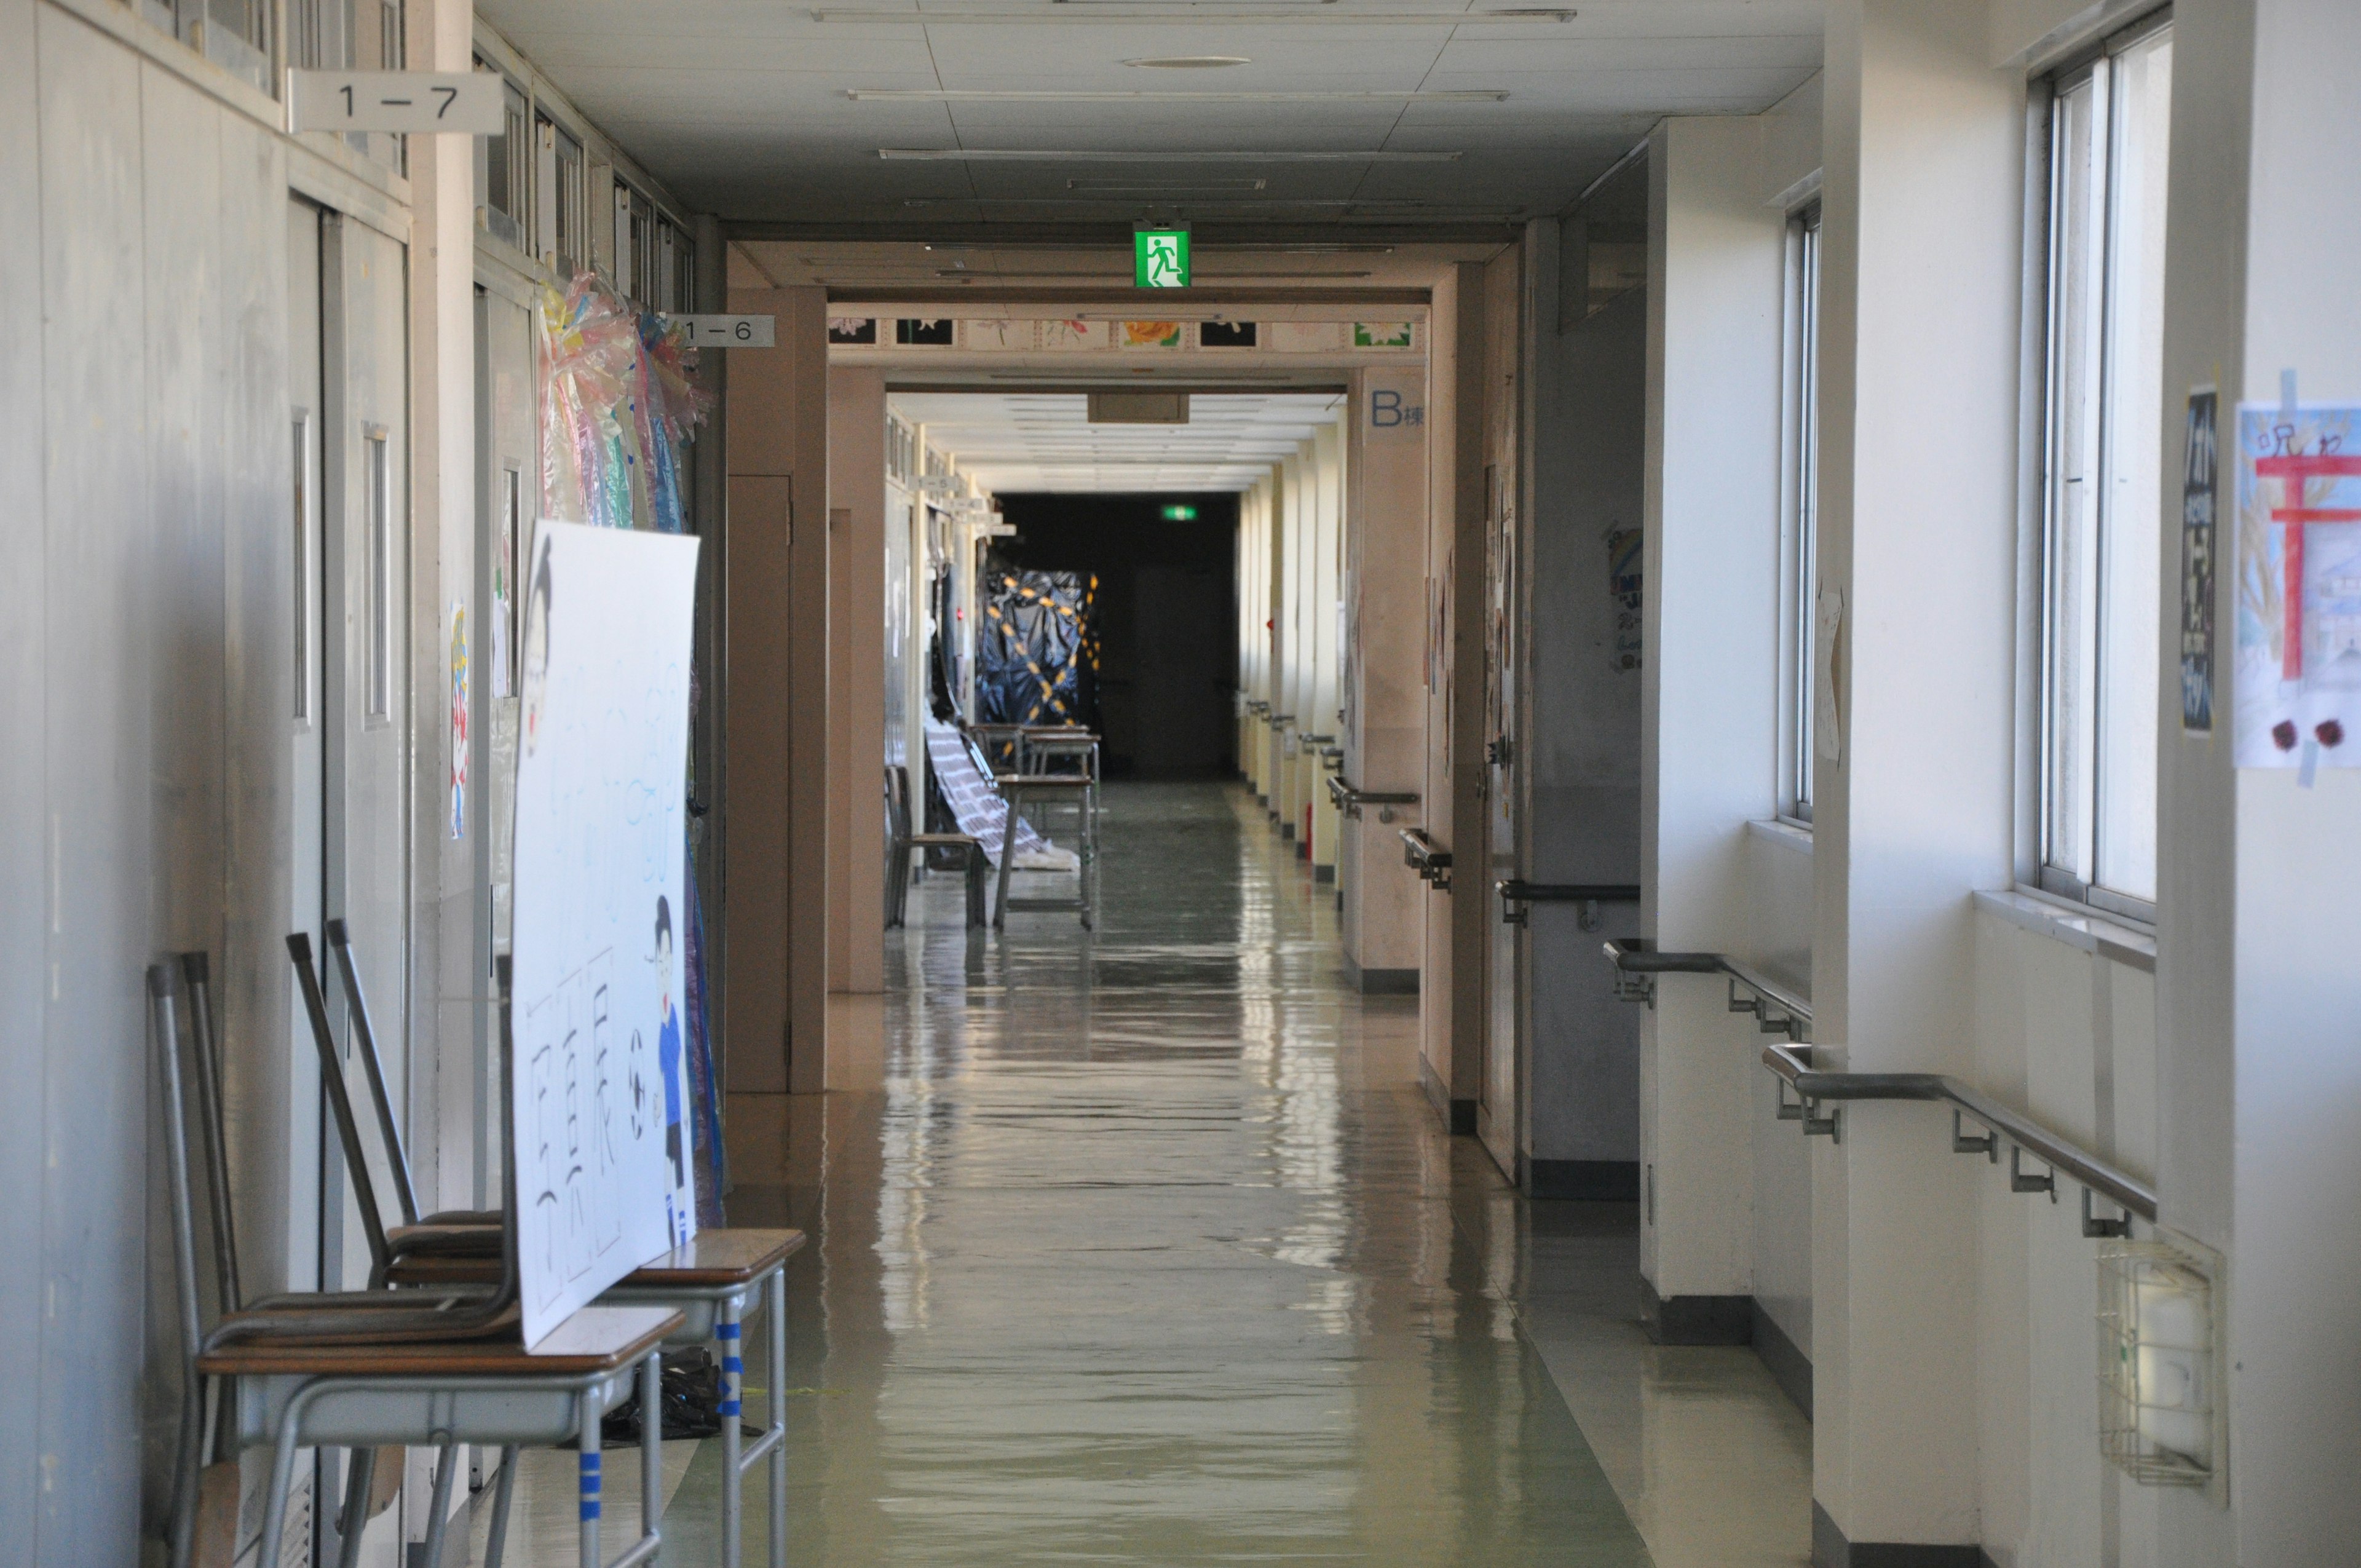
[1145,1248]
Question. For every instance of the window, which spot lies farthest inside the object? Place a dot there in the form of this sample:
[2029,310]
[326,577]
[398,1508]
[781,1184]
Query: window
[1799,657]
[303,506]
[380,573]
[506,165]
[562,197]
[2100,459]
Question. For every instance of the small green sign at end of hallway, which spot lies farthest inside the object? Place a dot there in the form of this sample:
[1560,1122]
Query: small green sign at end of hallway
[1178,512]
[1160,259]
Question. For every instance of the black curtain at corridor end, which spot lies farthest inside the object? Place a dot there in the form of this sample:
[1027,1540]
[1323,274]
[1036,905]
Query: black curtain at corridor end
[1166,623]
[1036,653]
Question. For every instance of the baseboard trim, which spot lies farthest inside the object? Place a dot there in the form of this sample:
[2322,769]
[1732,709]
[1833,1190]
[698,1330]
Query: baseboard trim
[1458,1116]
[1381,981]
[1788,1365]
[1831,1550]
[1584,1180]
[1696,1320]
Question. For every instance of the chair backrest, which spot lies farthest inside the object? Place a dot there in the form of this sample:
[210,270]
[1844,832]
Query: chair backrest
[897,803]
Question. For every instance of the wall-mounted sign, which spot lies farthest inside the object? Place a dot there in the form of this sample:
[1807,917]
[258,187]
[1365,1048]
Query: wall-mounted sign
[729,332]
[413,103]
[1160,259]
[1179,512]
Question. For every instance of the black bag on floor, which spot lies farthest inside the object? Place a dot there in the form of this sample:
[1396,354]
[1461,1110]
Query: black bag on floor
[692,1402]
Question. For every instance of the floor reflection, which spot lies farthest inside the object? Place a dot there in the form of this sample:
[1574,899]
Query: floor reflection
[1145,1251]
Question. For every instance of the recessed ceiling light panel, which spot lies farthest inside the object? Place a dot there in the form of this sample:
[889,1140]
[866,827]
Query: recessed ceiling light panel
[1188,62]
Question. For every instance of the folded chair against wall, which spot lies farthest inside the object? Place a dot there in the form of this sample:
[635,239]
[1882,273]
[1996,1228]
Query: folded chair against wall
[900,840]
[708,1283]
[334,1370]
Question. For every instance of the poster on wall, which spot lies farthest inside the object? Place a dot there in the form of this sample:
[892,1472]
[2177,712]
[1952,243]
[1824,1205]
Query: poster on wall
[2198,466]
[603,1149]
[2297,679]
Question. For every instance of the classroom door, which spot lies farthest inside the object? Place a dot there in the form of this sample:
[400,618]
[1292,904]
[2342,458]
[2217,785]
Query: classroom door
[1497,1103]
[505,434]
[366,829]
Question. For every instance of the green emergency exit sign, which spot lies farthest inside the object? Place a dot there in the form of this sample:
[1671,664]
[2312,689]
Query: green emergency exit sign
[1179,514]
[1160,259]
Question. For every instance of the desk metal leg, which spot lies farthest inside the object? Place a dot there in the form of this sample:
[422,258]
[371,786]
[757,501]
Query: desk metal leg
[775,1294]
[503,1492]
[282,1481]
[651,1457]
[438,1517]
[592,1479]
[730,1331]
[360,1479]
[1007,855]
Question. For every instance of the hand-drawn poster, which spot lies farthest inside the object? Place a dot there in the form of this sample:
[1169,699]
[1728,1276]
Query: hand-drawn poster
[603,1149]
[2298,587]
[2198,470]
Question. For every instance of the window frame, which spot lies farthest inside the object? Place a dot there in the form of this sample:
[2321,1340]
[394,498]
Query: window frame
[1799,511]
[2047,259]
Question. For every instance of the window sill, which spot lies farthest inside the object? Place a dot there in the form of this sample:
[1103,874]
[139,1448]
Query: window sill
[1785,832]
[2090,931]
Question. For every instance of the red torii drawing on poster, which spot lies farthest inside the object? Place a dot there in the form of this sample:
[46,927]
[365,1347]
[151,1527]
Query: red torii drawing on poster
[2293,469]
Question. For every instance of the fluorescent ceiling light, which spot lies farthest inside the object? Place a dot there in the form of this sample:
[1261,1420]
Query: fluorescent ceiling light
[1092,95]
[1152,187]
[1189,62]
[1029,155]
[1167,13]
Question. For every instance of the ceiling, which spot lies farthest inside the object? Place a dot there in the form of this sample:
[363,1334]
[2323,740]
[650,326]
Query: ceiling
[1429,112]
[1018,441]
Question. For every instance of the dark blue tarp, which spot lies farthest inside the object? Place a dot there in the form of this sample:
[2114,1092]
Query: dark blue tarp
[1037,654]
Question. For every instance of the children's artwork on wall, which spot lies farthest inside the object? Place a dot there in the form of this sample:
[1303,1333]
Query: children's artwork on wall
[852,330]
[1149,334]
[604,1147]
[1065,336]
[2298,586]
[932,333]
[1225,335]
[1381,335]
[1306,337]
[996,335]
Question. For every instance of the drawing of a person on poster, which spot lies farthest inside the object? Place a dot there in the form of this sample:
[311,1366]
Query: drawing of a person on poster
[669,1067]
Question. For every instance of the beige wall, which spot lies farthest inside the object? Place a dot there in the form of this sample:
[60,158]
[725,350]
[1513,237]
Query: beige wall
[856,714]
[776,727]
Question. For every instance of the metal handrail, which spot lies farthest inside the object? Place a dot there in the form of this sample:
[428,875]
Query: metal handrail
[1515,894]
[1429,859]
[1350,800]
[1633,957]
[1813,1087]
[2023,1135]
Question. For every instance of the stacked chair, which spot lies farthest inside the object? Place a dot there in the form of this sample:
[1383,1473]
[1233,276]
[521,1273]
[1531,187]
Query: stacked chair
[432,1355]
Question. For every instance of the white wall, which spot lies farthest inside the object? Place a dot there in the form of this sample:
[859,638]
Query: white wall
[1709,671]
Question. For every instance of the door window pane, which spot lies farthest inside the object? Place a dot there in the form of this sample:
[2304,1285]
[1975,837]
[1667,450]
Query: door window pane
[379,568]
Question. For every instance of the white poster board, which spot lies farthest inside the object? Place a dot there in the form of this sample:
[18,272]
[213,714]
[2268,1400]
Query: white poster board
[601,1123]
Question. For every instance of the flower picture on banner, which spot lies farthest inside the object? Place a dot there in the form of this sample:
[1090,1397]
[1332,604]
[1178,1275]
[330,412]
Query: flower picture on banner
[2298,587]
[605,1161]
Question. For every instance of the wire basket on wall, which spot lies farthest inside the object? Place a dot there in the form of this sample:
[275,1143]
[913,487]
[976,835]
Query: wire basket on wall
[2158,1384]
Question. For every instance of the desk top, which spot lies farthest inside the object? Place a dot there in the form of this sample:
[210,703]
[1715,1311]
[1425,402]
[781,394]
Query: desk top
[712,1258]
[593,1341]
